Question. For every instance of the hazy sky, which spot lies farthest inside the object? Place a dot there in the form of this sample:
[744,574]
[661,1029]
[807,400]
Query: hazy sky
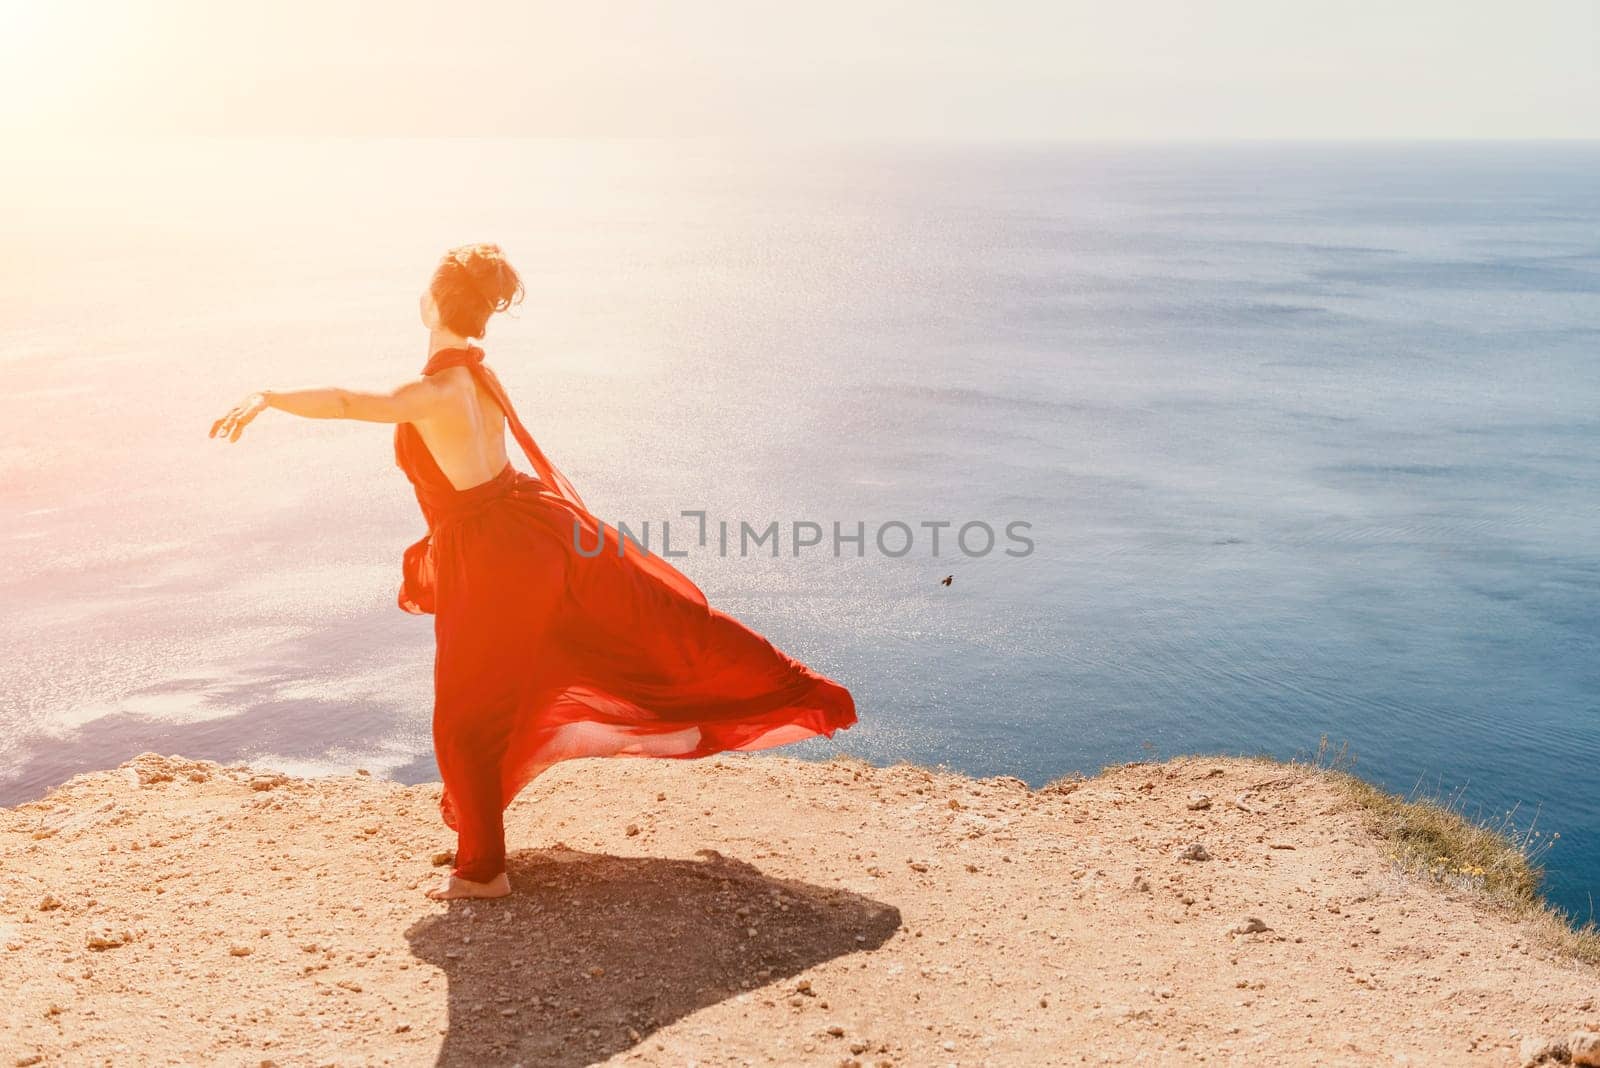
[823,68]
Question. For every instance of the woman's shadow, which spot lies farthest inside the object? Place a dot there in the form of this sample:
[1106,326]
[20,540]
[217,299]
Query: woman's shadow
[591,953]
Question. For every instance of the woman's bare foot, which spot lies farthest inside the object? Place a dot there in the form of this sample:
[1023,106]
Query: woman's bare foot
[454,887]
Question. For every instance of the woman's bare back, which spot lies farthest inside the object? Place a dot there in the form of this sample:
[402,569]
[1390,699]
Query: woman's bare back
[466,435]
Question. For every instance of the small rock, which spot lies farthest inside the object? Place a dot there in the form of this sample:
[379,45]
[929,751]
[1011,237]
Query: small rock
[149,769]
[49,903]
[1194,852]
[107,938]
[443,857]
[1539,1050]
[363,771]
[596,971]
[1141,884]
[633,829]
[836,1031]
[917,865]
[29,1059]
[1249,925]
[1199,801]
[1584,1047]
[239,949]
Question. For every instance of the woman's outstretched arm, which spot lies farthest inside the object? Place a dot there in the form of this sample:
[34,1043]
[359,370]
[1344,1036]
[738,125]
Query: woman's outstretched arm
[408,403]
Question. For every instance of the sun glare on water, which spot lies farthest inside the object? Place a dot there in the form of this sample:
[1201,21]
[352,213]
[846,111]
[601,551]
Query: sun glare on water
[57,59]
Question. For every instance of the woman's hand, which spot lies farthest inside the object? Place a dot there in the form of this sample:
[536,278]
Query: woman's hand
[232,425]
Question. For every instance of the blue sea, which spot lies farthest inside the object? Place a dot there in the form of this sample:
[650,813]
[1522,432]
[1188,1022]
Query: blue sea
[1305,439]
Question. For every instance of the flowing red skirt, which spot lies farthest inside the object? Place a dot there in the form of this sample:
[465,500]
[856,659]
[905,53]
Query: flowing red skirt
[546,653]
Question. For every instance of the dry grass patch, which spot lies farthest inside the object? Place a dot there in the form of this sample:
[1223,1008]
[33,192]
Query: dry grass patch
[1431,836]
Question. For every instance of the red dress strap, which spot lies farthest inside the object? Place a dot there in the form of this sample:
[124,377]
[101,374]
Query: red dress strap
[471,358]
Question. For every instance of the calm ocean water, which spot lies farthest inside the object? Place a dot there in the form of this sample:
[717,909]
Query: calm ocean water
[1308,438]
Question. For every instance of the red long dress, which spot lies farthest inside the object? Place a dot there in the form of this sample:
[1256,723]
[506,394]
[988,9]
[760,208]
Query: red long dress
[545,653]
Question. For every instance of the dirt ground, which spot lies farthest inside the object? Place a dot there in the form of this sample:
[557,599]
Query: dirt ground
[752,910]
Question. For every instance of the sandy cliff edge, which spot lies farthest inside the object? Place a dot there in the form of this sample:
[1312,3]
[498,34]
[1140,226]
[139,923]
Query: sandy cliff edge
[756,910]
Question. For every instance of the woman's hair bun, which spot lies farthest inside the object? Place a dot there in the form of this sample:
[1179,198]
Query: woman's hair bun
[471,284]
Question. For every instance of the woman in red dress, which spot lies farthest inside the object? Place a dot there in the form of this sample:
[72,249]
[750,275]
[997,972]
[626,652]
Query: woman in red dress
[544,652]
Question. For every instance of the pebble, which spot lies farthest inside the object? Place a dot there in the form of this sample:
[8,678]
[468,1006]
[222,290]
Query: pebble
[48,903]
[106,938]
[1537,1049]
[443,857]
[239,949]
[1196,851]
[1249,925]
[1199,801]
[633,829]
